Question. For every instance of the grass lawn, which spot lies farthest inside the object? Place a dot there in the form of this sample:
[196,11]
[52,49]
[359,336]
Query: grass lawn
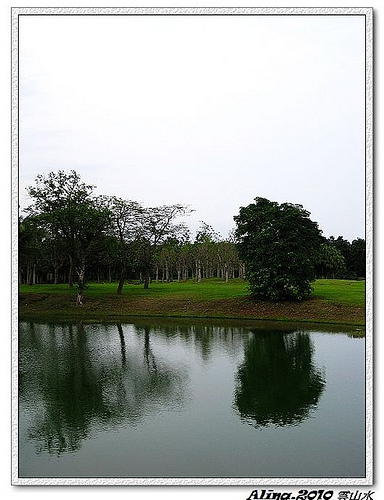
[333,301]
[207,289]
[340,291]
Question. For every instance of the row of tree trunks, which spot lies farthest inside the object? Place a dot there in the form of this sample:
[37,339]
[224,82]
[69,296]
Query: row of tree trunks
[31,274]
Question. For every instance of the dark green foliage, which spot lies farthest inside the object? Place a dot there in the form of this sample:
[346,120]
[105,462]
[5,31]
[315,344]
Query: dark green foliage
[358,257]
[279,245]
[66,209]
[354,255]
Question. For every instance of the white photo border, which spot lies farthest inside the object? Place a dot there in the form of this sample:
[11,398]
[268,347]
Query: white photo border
[198,11]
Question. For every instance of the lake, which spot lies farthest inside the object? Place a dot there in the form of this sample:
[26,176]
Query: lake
[156,398]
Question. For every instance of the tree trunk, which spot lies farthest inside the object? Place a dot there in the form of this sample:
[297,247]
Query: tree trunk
[166,272]
[31,274]
[146,279]
[80,293]
[55,267]
[70,273]
[81,284]
[242,271]
[56,273]
[198,271]
[122,278]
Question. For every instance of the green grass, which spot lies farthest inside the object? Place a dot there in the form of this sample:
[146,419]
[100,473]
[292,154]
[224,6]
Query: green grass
[206,289]
[340,291]
[336,291]
[333,301]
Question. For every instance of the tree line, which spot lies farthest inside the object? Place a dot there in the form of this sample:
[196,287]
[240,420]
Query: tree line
[67,231]
[69,235]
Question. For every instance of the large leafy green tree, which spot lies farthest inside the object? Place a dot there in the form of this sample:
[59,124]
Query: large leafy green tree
[67,209]
[279,245]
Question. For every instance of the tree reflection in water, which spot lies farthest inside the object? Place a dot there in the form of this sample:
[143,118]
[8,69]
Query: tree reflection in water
[76,381]
[73,384]
[277,384]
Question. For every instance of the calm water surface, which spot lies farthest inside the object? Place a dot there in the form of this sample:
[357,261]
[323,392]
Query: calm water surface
[179,399]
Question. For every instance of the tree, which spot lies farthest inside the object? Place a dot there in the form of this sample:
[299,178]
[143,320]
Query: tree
[124,223]
[354,255]
[155,226]
[358,257]
[31,249]
[279,245]
[166,259]
[330,262]
[66,208]
[228,259]
[205,251]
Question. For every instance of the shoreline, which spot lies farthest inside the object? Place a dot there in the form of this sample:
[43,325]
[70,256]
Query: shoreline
[56,306]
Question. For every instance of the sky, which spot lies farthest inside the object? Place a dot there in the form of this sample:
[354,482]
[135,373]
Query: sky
[210,112]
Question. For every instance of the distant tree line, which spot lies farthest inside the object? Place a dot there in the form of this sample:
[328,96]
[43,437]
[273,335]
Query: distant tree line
[340,259]
[70,235]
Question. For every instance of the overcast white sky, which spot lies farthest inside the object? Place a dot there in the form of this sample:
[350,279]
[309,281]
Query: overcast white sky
[205,111]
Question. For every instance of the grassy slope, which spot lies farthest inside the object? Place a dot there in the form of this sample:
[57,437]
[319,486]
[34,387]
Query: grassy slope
[333,301]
